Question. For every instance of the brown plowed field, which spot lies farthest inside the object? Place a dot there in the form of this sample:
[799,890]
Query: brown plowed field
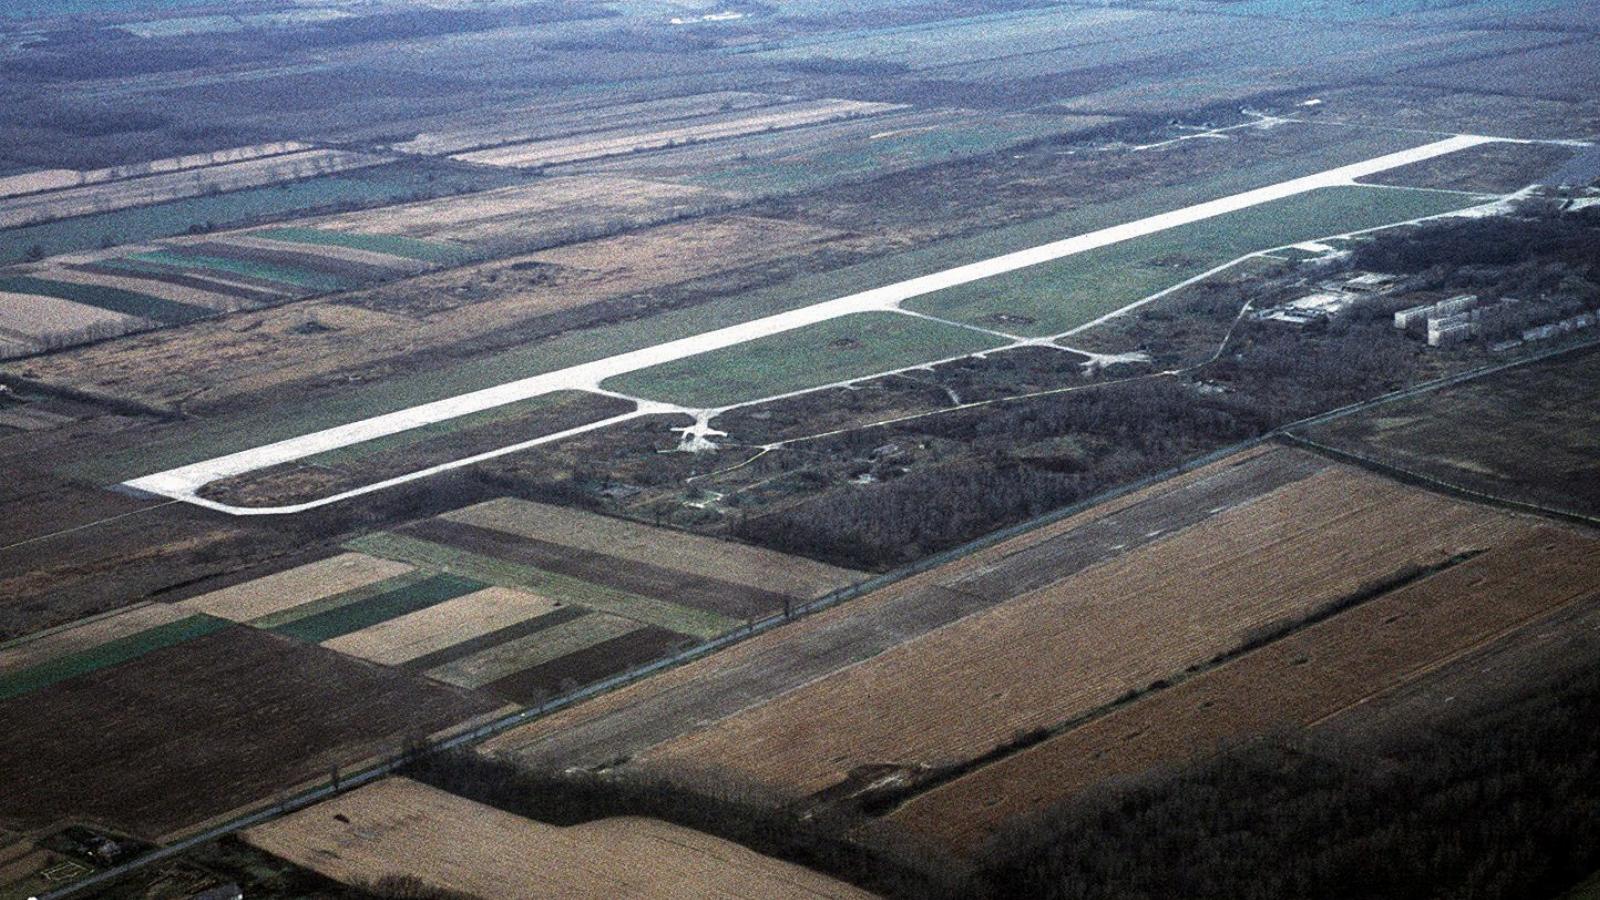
[664,548]
[401,827]
[610,657]
[1296,681]
[622,141]
[630,576]
[436,628]
[92,633]
[664,706]
[293,587]
[217,365]
[1083,641]
[187,733]
[514,216]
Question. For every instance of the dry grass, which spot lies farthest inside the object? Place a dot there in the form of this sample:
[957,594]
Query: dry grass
[707,557]
[149,286]
[214,364]
[794,638]
[538,648]
[87,635]
[1297,681]
[681,251]
[1081,642]
[445,625]
[294,587]
[38,317]
[550,205]
[401,827]
[159,188]
[621,141]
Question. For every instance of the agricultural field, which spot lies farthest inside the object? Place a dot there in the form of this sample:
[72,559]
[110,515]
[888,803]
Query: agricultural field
[1298,681]
[108,293]
[601,144]
[634,718]
[276,714]
[518,599]
[1083,641]
[376,185]
[117,194]
[1477,436]
[398,828]
[1056,297]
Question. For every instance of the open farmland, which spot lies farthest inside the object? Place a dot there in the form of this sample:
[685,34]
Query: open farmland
[113,195]
[597,145]
[1477,435]
[271,715]
[292,587]
[559,210]
[1297,681]
[1051,298]
[519,599]
[470,131]
[375,185]
[632,719]
[399,827]
[1085,640]
[630,542]
[34,322]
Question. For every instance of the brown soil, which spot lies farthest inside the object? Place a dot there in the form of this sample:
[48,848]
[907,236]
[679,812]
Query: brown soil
[187,733]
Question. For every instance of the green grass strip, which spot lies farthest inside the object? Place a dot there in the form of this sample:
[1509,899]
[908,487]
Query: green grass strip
[850,347]
[1065,293]
[354,595]
[107,298]
[304,278]
[108,654]
[391,244]
[661,613]
[389,605]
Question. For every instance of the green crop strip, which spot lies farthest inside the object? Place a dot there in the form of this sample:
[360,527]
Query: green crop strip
[381,608]
[107,298]
[108,654]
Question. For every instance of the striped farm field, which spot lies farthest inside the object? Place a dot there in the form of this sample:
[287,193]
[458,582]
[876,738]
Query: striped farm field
[1297,681]
[110,653]
[401,827]
[442,252]
[77,637]
[37,318]
[365,613]
[435,628]
[646,610]
[541,647]
[291,588]
[632,541]
[110,299]
[1080,642]
[297,277]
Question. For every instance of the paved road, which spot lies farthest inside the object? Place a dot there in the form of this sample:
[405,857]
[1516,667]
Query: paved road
[181,483]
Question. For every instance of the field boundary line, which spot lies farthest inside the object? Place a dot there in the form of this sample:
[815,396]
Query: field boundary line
[182,482]
[472,735]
